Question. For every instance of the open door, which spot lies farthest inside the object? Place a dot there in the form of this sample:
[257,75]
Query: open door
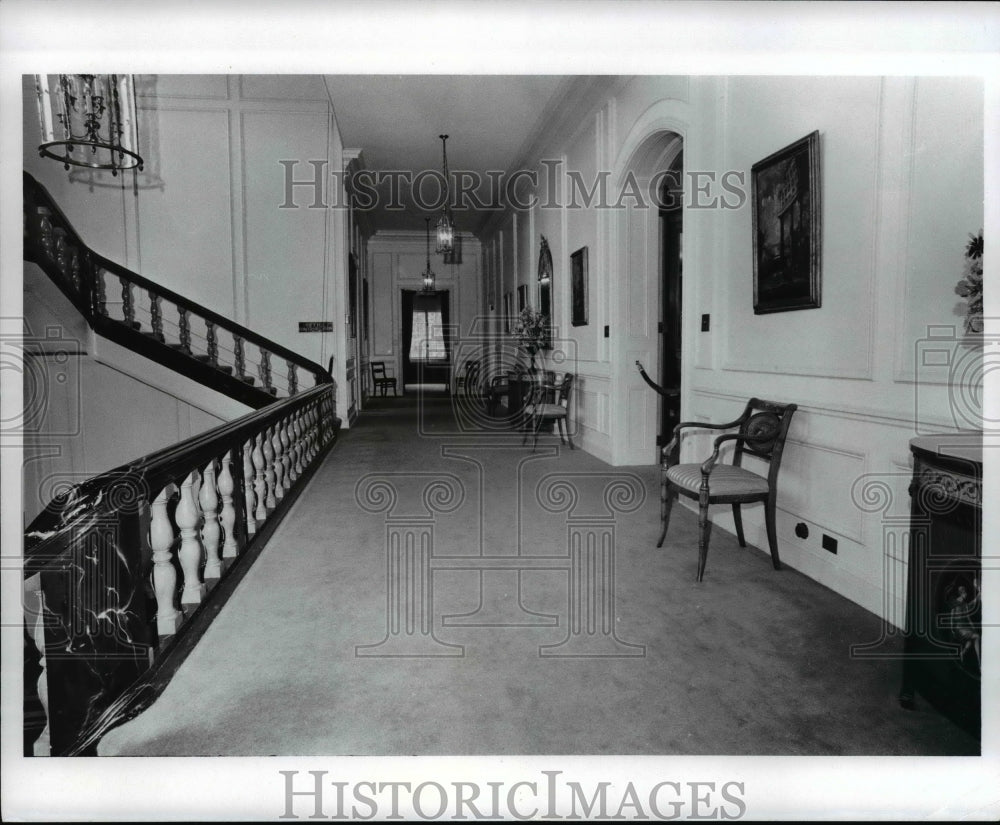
[672,231]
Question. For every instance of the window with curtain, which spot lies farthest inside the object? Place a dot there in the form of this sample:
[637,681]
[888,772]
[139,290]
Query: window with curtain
[427,333]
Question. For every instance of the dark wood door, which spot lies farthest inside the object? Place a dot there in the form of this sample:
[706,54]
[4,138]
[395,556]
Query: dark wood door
[671,223]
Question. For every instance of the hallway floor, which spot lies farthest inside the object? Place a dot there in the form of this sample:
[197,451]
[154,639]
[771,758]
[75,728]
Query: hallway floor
[751,661]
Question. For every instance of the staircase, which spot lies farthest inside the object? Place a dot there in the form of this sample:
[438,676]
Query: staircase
[156,322]
[125,571]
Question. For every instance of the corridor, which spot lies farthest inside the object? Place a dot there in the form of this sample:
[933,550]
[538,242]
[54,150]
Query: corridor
[310,657]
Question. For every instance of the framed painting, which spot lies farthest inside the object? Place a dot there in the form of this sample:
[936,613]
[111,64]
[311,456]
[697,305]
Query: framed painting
[785,196]
[507,303]
[522,297]
[579,287]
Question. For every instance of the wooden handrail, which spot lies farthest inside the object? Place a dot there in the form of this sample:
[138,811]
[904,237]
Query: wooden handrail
[50,530]
[129,568]
[37,195]
[228,324]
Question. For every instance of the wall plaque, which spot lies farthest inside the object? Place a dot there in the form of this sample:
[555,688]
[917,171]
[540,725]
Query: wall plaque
[315,326]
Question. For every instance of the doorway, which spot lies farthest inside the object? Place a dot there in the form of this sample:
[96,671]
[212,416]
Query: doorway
[671,279]
[426,340]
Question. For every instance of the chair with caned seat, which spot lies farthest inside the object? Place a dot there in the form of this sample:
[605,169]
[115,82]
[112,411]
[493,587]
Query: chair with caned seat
[761,432]
[549,403]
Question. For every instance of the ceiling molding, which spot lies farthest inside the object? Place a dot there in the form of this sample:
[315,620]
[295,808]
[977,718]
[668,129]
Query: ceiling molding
[579,97]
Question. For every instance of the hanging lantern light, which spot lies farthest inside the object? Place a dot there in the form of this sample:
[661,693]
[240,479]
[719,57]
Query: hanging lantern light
[88,120]
[428,275]
[445,225]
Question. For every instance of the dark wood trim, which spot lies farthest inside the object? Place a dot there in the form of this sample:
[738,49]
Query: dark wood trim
[148,687]
[155,471]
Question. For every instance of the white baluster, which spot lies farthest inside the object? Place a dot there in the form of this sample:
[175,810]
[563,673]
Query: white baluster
[297,429]
[34,616]
[188,515]
[310,434]
[226,487]
[161,542]
[260,477]
[279,467]
[211,532]
[269,473]
[286,456]
[249,501]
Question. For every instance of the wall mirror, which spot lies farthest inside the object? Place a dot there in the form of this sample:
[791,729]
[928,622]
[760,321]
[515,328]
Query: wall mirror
[545,289]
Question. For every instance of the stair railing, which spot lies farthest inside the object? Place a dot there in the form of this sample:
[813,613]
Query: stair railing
[124,572]
[157,322]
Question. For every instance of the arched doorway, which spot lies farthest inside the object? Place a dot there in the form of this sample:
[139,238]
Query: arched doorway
[647,242]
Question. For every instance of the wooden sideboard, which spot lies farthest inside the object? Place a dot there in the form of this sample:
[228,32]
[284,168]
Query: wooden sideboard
[943,641]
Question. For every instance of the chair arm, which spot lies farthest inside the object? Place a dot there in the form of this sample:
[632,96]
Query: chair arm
[706,468]
[673,449]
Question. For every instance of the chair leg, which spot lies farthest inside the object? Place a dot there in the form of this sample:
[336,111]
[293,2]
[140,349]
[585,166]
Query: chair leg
[738,518]
[667,499]
[538,427]
[562,434]
[569,438]
[772,531]
[704,530]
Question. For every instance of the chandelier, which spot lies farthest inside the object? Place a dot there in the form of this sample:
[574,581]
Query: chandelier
[445,225]
[428,275]
[88,120]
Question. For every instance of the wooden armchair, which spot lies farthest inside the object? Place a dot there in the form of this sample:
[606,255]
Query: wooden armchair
[761,432]
[381,380]
[549,402]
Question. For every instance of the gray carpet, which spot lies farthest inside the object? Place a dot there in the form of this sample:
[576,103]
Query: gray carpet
[751,661]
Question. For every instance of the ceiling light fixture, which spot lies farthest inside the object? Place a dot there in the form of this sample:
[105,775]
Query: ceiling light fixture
[88,120]
[445,225]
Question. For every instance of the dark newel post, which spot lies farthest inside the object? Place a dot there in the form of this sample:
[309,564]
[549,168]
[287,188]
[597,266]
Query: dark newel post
[97,633]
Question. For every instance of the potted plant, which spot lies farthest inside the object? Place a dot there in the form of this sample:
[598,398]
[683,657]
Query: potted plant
[971,285]
[531,329]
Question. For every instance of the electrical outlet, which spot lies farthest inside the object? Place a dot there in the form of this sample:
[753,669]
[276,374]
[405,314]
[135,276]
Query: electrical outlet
[830,543]
[802,530]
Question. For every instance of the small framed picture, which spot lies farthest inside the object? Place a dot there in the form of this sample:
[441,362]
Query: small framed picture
[522,297]
[579,286]
[508,301]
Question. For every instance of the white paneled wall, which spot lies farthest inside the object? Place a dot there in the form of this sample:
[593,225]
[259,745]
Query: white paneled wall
[902,188]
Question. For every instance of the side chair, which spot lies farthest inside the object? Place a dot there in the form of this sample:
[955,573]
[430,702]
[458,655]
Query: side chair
[761,432]
[380,379]
[539,410]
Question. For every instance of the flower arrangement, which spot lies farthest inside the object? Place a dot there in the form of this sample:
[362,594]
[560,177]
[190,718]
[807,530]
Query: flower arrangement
[971,285]
[531,329]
